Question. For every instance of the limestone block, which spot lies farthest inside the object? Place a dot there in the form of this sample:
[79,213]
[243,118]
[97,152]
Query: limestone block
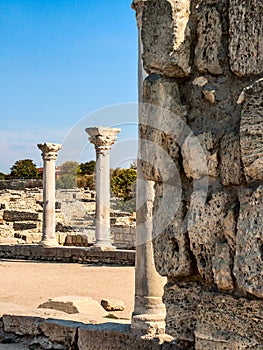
[248,266]
[192,312]
[206,230]
[75,304]
[222,265]
[22,325]
[112,305]
[63,332]
[162,127]
[231,167]
[246,37]
[21,226]
[251,132]
[16,215]
[209,33]
[166,37]
[199,157]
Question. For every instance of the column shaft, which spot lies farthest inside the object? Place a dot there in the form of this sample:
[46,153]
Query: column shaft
[49,225]
[103,199]
[49,154]
[103,138]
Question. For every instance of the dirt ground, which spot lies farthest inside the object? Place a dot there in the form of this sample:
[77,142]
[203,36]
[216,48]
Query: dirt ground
[29,284]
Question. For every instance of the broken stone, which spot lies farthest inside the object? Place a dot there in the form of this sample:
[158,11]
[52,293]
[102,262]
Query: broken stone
[209,95]
[112,305]
[75,304]
[200,81]
[222,266]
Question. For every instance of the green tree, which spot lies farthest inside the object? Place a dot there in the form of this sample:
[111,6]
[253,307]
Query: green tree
[87,168]
[24,169]
[68,178]
[123,182]
[2,176]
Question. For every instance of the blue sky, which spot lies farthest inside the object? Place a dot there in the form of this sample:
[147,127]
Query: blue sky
[60,61]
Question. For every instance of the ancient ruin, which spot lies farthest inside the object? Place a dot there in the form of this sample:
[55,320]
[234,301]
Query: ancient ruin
[204,67]
[199,227]
[103,138]
[49,154]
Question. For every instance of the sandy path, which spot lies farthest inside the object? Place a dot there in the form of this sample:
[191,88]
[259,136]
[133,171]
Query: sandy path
[32,283]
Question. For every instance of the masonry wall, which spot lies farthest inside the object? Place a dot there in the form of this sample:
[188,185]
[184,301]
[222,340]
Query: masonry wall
[204,60]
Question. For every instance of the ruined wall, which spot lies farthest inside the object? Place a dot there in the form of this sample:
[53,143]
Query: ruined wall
[21,215]
[204,60]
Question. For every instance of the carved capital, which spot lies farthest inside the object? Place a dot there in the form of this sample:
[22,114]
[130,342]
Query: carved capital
[49,150]
[103,138]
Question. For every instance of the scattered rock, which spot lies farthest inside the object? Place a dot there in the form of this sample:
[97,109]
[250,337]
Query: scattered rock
[112,305]
[75,304]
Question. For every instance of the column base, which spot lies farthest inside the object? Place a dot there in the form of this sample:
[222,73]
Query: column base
[102,248]
[149,316]
[49,242]
[148,325]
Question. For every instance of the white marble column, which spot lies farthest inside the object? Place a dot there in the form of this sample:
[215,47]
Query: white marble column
[103,138]
[149,311]
[49,154]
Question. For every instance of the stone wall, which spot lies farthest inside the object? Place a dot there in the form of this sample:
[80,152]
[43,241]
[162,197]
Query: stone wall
[204,61]
[41,333]
[21,218]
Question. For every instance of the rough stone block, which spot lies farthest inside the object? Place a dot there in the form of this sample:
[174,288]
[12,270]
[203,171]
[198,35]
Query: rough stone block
[21,226]
[231,167]
[209,33]
[251,131]
[22,325]
[75,304]
[16,215]
[246,37]
[63,332]
[165,37]
[112,305]
[222,267]
[248,266]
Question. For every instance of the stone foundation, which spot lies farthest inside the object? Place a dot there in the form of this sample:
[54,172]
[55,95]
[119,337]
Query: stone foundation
[39,333]
[67,254]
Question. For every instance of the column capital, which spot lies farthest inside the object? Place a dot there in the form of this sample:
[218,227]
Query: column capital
[102,137]
[49,150]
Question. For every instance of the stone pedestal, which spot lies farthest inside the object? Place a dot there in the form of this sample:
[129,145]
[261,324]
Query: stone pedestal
[149,311]
[103,138]
[49,154]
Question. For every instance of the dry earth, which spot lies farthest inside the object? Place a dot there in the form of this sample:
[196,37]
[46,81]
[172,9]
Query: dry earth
[29,284]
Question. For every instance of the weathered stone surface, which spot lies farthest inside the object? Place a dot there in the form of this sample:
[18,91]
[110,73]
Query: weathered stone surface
[222,267]
[60,331]
[246,37]
[231,166]
[248,268]
[22,325]
[193,314]
[112,305]
[73,305]
[166,37]
[206,231]
[209,33]
[21,226]
[199,156]
[15,215]
[251,131]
